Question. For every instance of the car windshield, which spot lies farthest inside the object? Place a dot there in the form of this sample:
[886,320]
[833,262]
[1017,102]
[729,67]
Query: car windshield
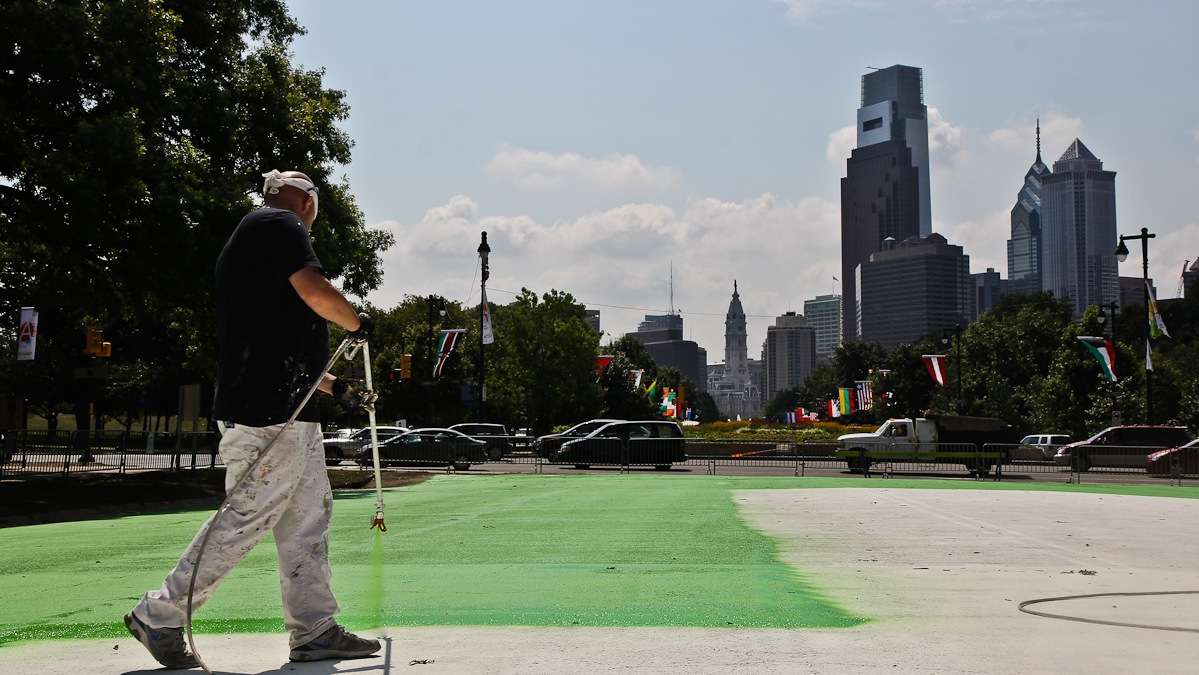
[1029,439]
[584,428]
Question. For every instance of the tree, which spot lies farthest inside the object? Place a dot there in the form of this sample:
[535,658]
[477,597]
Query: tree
[541,371]
[135,136]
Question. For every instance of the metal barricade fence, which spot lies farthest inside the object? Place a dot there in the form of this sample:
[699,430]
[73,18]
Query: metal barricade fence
[30,453]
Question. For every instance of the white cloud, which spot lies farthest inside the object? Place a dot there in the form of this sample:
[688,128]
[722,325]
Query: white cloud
[840,144]
[545,171]
[984,239]
[801,11]
[944,139]
[1058,130]
[781,251]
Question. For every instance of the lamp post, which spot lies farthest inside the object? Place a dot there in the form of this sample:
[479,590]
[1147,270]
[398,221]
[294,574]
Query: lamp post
[484,274]
[1122,255]
[1103,319]
[957,387]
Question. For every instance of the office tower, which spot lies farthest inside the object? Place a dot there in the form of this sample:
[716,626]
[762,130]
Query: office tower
[1078,230]
[592,317]
[885,191]
[789,355]
[1024,248]
[662,336]
[1190,279]
[916,288]
[824,316]
[989,289]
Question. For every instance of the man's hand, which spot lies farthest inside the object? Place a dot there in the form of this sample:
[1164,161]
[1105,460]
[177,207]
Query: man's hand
[365,326]
[354,394]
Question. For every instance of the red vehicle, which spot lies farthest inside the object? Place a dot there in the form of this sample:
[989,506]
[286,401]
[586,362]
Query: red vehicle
[1181,460]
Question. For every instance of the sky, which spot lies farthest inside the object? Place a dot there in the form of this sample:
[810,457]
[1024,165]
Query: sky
[600,144]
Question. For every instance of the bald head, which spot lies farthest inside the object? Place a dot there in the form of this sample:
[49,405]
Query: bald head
[290,197]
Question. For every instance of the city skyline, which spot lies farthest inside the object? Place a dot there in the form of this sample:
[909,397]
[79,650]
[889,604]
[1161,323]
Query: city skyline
[624,160]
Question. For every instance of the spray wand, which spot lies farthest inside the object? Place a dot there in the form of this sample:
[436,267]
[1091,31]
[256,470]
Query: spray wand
[368,399]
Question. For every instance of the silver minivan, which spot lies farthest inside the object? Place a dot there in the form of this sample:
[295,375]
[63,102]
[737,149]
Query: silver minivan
[1041,446]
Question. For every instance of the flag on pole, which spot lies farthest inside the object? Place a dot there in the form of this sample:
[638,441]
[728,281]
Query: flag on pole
[865,394]
[935,363]
[635,378]
[833,410]
[445,346]
[1157,327]
[488,335]
[651,390]
[1148,356]
[1105,354]
[846,400]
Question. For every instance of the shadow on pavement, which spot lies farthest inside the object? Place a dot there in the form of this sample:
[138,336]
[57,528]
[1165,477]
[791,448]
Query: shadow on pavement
[331,667]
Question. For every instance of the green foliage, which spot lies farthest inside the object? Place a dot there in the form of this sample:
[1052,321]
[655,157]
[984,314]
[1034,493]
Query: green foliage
[135,133]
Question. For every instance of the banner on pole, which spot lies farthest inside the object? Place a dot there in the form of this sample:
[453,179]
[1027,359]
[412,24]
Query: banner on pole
[445,346]
[488,335]
[1105,353]
[27,335]
[935,363]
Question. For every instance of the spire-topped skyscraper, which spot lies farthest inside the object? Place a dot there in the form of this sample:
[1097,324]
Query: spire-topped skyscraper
[1024,248]
[736,352]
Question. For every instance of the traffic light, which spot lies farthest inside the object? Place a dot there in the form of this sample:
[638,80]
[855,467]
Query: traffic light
[96,346]
[404,372]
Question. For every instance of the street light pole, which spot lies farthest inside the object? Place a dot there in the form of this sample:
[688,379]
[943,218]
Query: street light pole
[485,273]
[957,387]
[1122,255]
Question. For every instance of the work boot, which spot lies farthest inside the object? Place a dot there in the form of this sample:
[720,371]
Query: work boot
[335,643]
[166,645]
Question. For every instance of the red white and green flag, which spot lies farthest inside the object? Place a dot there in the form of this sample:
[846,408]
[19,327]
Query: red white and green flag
[1104,353]
[445,346]
[935,363]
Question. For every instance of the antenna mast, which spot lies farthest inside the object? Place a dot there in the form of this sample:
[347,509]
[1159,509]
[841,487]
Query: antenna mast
[672,287]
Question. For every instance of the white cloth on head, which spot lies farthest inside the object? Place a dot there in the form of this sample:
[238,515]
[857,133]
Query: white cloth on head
[274,180]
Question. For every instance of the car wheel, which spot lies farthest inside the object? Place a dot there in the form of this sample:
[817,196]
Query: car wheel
[461,464]
[1082,464]
[495,454]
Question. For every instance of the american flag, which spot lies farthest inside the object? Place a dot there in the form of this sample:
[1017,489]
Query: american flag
[865,395]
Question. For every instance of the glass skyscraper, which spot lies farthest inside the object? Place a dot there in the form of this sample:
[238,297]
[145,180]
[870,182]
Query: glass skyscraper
[885,191]
[1078,230]
[1024,248]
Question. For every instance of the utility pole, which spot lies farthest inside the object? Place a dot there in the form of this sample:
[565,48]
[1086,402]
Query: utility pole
[484,273]
[436,308]
[1122,255]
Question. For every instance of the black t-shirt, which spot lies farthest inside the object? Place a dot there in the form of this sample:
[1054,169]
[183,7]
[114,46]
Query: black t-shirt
[271,346]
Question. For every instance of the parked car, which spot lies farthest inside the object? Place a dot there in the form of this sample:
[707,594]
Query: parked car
[494,435]
[932,439]
[651,443]
[1126,447]
[1184,459]
[338,449]
[1040,446]
[546,446]
[428,447]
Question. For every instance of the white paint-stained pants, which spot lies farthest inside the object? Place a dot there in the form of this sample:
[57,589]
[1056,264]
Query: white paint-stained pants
[288,494]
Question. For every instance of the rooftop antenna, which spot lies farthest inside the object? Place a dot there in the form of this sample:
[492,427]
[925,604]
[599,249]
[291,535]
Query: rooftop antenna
[672,287]
[1038,140]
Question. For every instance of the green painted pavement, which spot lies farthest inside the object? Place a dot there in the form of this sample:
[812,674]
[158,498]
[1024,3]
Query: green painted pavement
[587,550]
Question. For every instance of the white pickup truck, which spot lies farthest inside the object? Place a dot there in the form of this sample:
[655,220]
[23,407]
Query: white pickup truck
[934,439]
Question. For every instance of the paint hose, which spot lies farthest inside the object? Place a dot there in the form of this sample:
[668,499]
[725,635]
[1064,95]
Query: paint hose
[1023,607]
[191,586]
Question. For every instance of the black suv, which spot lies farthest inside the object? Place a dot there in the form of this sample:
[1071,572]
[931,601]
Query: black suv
[494,435]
